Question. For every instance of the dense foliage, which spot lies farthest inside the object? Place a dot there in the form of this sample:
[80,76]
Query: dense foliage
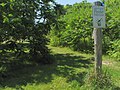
[75,31]
[24,25]
[76,28]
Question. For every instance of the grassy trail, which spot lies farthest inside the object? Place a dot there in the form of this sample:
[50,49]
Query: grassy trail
[67,73]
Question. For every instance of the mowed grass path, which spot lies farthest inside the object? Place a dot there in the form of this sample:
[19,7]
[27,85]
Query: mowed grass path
[67,73]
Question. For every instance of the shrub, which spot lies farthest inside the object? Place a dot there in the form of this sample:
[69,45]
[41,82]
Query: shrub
[97,82]
[115,49]
[55,41]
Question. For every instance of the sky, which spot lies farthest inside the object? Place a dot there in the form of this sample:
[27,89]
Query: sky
[64,2]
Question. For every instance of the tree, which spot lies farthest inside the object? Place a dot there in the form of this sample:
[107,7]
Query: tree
[27,21]
[76,28]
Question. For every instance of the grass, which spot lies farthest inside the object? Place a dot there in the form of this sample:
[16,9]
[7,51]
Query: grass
[67,73]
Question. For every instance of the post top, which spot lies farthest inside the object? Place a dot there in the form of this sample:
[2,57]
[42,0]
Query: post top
[98,3]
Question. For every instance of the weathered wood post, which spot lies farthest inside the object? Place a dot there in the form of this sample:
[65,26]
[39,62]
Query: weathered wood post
[98,24]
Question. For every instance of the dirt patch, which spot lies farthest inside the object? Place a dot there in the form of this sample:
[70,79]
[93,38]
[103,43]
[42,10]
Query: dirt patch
[107,63]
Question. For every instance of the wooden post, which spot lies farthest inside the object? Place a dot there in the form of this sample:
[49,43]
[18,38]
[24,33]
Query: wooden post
[98,49]
[97,35]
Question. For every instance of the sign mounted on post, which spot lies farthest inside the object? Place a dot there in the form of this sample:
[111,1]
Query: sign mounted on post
[98,17]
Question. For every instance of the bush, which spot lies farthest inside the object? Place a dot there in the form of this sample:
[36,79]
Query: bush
[55,41]
[97,82]
[115,49]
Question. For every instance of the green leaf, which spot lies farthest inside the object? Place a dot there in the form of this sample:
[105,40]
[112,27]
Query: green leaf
[5,20]
[10,15]
[12,0]
[3,4]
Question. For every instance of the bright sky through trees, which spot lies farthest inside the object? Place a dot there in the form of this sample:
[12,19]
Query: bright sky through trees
[64,2]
